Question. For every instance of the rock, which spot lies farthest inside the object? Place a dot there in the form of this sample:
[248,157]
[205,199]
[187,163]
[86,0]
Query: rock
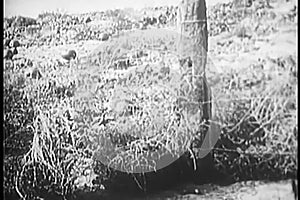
[34,73]
[104,36]
[121,64]
[15,51]
[242,4]
[87,20]
[70,55]
[8,54]
[14,43]
[7,42]
[243,32]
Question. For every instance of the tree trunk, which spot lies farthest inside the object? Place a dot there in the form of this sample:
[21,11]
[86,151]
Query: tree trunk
[192,22]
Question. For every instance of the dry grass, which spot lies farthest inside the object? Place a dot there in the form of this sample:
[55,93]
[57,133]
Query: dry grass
[59,122]
[259,123]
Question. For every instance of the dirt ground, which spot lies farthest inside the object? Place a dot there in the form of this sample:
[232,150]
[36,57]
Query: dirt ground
[250,190]
[240,191]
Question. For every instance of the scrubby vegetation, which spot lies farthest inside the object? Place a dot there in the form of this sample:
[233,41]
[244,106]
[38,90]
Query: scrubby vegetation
[54,126]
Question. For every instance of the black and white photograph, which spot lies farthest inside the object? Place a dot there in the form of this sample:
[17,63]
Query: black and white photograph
[150,100]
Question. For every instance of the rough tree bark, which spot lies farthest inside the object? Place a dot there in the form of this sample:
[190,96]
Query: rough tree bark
[192,22]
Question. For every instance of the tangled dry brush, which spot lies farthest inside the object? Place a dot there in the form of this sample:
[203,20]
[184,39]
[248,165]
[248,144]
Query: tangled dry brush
[55,124]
